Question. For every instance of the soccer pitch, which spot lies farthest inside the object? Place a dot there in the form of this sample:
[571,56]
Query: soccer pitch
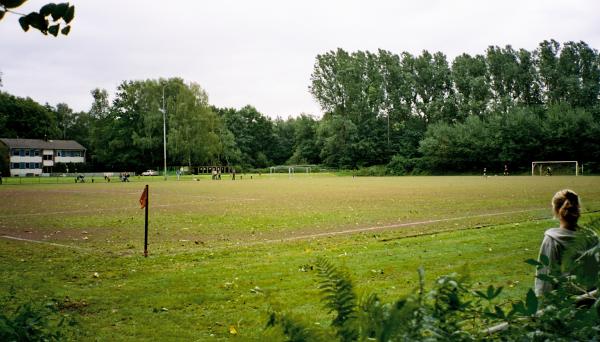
[223,252]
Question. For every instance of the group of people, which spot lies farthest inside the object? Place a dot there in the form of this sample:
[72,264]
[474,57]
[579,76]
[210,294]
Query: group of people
[505,170]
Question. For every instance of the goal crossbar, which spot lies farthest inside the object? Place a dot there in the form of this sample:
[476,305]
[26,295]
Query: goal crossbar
[534,163]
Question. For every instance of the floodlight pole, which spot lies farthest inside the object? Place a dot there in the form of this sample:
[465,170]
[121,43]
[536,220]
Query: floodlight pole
[164,129]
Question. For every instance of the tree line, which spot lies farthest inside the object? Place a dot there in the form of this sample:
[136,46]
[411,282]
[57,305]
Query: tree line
[425,113]
[407,113]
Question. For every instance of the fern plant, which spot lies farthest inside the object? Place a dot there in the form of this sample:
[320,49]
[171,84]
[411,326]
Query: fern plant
[339,297]
[452,311]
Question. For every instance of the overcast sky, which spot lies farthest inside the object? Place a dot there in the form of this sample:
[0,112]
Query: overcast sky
[262,52]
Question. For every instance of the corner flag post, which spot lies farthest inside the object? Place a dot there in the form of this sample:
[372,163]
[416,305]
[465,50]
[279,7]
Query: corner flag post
[144,204]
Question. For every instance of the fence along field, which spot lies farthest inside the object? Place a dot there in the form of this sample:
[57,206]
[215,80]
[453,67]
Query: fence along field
[219,246]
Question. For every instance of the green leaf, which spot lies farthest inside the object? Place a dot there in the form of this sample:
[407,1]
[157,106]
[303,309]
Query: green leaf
[12,3]
[24,23]
[499,312]
[544,260]
[481,294]
[37,21]
[53,30]
[519,307]
[66,30]
[533,262]
[69,14]
[59,11]
[47,9]
[531,302]
[490,292]
[545,277]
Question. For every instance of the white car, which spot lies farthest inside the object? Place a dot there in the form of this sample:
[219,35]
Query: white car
[150,173]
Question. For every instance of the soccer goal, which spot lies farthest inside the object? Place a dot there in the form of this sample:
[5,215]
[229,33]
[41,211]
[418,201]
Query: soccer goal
[291,169]
[555,167]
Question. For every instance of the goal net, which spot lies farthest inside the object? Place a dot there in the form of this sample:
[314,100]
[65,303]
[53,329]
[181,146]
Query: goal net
[552,167]
[291,169]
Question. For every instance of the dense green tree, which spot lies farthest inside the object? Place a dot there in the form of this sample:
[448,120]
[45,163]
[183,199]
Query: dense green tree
[337,137]
[472,85]
[25,118]
[305,149]
[283,140]
[503,68]
[253,134]
[433,87]
[193,128]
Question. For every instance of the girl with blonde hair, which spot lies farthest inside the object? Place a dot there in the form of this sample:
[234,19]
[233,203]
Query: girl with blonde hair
[566,208]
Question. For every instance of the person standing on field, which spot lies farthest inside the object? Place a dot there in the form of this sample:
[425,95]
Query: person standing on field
[565,205]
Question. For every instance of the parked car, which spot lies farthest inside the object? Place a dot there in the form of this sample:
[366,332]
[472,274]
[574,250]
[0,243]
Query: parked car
[150,173]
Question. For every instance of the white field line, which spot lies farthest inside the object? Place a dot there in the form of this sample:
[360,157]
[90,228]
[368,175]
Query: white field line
[46,243]
[100,210]
[312,236]
[390,226]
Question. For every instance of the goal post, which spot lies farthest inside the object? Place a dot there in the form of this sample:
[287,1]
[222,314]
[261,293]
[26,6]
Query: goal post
[291,169]
[547,164]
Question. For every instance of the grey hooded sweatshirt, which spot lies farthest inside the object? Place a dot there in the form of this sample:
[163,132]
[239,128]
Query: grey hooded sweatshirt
[556,241]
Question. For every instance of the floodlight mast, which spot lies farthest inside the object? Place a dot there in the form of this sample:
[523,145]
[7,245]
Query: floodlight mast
[164,130]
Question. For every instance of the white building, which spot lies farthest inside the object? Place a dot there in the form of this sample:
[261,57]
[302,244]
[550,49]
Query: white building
[32,157]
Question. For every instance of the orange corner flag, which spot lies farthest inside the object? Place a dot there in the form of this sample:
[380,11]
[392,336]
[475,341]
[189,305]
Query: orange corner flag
[144,198]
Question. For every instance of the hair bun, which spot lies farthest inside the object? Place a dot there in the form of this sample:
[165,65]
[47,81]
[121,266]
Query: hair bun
[566,205]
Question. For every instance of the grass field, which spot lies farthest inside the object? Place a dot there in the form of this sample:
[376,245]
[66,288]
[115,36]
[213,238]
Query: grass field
[223,252]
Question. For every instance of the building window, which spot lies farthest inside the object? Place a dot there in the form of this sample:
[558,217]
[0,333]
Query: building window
[15,165]
[15,152]
[22,153]
[59,153]
[36,152]
[26,153]
[21,165]
[47,157]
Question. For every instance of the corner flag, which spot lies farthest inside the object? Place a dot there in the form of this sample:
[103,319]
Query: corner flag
[144,198]
[144,204]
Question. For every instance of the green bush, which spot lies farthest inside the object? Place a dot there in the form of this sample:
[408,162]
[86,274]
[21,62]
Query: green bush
[452,310]
[376,170]
[34,322]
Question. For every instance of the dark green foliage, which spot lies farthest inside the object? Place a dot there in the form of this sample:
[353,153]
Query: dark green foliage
[292,329]
[25,118]
[47,20]
[253,134]
[385,114]
[453,311]
[478,111]
[338,295]
[34,322]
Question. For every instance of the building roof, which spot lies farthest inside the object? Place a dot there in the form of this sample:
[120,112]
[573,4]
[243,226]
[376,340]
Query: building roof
[43,144]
